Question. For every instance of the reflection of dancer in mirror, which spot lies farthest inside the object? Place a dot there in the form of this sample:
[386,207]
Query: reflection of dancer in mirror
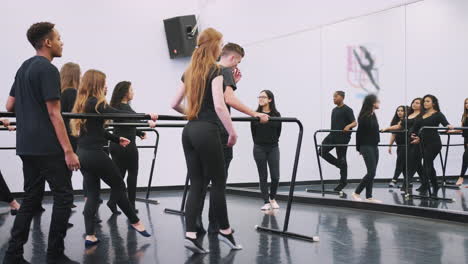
[368,68]
[464,123]
[5,194]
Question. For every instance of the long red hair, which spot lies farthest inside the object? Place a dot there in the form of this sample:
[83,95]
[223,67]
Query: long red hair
[202,63]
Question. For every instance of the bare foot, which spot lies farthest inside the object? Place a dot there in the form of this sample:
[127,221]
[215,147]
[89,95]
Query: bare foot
[91,238]
[139,226]
[226,231]
[356,197]
[460,181]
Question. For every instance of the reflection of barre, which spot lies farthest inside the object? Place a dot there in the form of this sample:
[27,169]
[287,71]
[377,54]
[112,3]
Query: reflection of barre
[312,239]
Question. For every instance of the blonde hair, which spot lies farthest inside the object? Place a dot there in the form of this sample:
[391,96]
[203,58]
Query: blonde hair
[202,63]
[92,85]
[70,75]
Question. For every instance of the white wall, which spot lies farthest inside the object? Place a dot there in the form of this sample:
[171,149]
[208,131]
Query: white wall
[437,60]
[297,49]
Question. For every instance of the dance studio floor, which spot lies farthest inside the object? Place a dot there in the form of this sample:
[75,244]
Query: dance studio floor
[346,236]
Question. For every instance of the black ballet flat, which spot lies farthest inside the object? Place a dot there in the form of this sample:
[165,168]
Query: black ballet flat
[229,240]
[113,208]
[14,211]
[143,233]
[89,243]
[194,246]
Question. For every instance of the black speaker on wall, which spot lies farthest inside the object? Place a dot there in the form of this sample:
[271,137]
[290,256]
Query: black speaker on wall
[181,34]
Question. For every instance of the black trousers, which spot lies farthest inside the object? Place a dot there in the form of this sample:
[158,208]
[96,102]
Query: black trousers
[400,166]
[267,157]
[37,170]
[228,155]
[5,194]
[430,152]
[340,160]
[465,159]
[97,165]
[126,159]
[204,156]
[371,158]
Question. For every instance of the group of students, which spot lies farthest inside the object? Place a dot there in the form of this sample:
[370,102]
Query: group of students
[416,151]
[39,95]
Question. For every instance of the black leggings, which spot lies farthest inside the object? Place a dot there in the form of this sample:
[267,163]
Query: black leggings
[400,166]
[465,160]
[340,160]
[414,163]
[267,157]
[5,194]
[205,162]
[430,152]
[371,159]
[96,165]
[126,159]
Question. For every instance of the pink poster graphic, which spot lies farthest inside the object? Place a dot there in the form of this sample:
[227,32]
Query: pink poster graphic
[363,69]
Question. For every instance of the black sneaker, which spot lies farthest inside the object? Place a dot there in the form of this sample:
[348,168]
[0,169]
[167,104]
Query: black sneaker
[194,246]
[229,240]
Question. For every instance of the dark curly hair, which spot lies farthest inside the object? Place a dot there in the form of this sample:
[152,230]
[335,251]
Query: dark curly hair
[38,32]
[120,91]
[435,102]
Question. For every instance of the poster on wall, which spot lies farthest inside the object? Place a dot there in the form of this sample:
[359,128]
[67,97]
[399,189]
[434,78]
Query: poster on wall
[363,68]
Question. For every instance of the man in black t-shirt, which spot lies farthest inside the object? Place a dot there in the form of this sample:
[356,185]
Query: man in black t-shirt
[42,144]
[342,119]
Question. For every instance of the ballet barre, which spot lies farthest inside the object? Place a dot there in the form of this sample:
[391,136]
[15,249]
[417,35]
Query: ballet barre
[153,161]
[284,231]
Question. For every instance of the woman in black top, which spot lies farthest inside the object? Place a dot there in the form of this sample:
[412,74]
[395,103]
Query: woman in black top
[70,75]
[126,158]
[5,194]
[266,151]
[465,136]
[95,162]
[430,139]
[398,138]
[203,91]
[414,150]
[414,161]
[367,140]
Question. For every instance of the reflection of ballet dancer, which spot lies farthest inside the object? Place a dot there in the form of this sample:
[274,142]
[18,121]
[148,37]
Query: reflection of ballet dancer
[367,68]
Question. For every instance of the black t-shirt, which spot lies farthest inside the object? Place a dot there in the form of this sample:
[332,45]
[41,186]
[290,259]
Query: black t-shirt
[67,101]
[124,131]
[430,136]
[340,118]
[207,110]
[37,81]
[94,135]
[266,134]
[367,132]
